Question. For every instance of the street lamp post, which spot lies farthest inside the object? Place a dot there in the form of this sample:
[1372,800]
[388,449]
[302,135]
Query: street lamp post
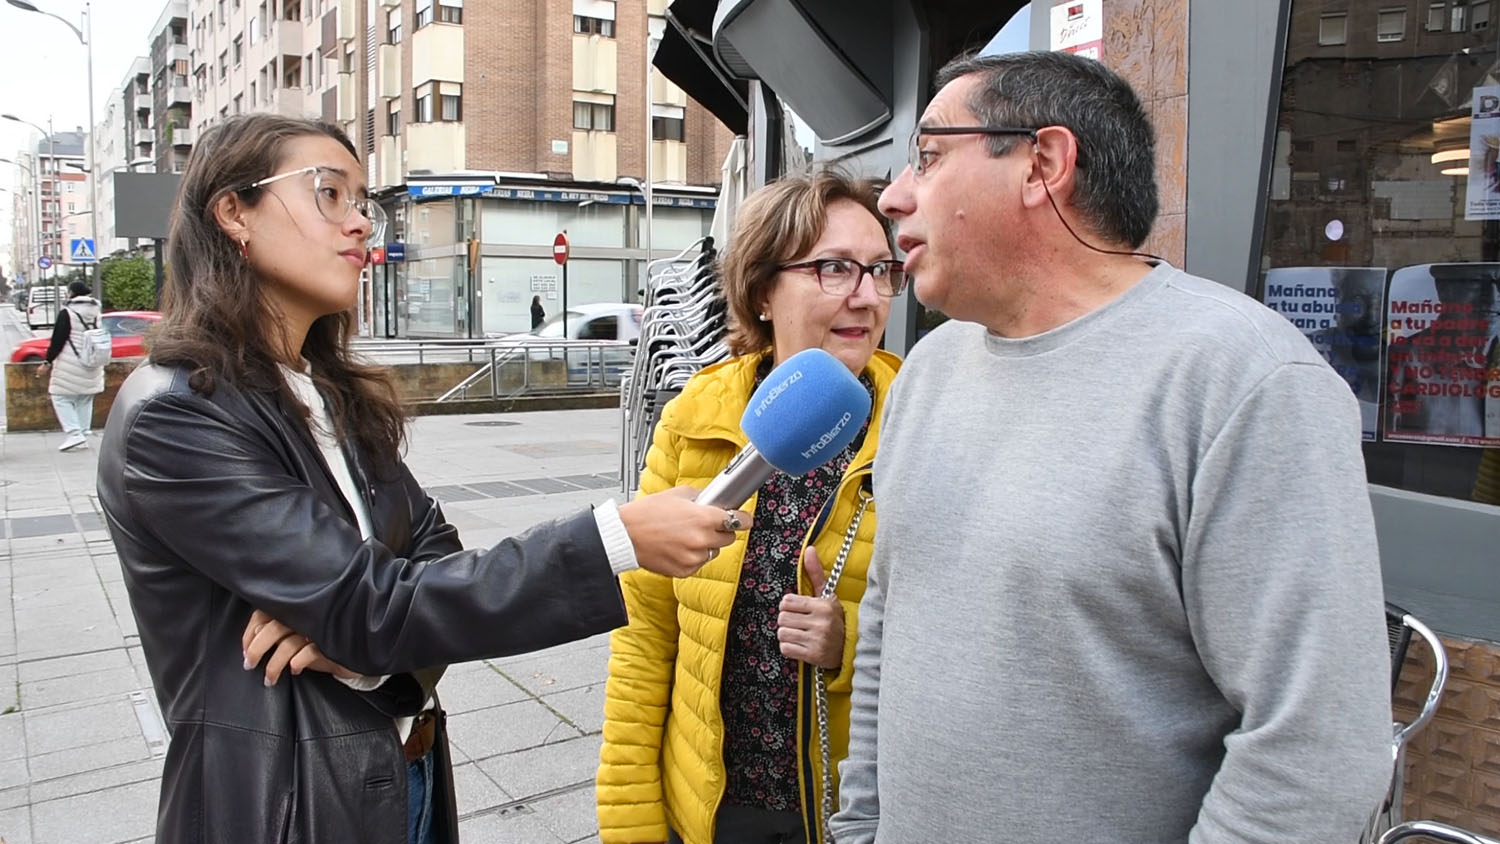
[35,181]
[87,40]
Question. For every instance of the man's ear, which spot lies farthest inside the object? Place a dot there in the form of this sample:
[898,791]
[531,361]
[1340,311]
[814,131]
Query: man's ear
[1055,152]
[229,213]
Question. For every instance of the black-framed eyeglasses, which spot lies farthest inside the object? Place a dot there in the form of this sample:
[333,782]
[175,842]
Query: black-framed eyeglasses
[841,276]
[920,159]
[335,199]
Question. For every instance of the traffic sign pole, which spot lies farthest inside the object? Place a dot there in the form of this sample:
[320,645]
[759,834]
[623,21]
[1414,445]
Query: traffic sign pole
[560,253]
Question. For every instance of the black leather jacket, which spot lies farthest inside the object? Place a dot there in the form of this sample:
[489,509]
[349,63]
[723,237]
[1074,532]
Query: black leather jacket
[220,504]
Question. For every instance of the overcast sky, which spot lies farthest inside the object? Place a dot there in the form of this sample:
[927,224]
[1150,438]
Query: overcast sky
[44,71]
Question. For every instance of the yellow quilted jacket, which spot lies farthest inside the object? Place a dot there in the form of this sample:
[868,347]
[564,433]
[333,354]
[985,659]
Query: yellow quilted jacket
[662,761]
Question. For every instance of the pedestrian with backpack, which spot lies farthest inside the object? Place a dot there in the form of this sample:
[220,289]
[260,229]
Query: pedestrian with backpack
[76,358]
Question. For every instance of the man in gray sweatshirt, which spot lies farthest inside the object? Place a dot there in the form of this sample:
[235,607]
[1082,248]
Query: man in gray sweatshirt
[1125,584]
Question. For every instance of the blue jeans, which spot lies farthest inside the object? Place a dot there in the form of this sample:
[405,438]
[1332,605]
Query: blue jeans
[419,800]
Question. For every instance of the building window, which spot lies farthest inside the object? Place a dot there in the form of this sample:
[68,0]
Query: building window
[393,26]
[1435,16]
[666,129]
[594,117]
[1480,19]
[1390,25]
[451,12]
[238,48]
[1460,19]
[440,101]
[393,119]
[238,103]
[254,31]
[424,14]
[223,65]
[584,25]
[347,66]
[1332,29]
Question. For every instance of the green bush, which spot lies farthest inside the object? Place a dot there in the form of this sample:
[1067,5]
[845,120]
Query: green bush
[129,283]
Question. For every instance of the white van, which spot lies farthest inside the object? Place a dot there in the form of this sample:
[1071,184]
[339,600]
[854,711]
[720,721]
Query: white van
[42,304]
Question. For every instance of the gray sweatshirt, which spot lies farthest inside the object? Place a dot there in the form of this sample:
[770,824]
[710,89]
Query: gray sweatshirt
[1125,588]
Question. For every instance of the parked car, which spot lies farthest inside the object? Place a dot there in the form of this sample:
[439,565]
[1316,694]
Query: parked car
[616,323]
[127,330]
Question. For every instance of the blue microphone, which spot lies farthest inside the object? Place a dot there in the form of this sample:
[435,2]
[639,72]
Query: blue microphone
[806,411]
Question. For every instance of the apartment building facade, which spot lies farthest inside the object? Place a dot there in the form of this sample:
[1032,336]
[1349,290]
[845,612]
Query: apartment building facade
[171,95]
[123,140]
[62,174]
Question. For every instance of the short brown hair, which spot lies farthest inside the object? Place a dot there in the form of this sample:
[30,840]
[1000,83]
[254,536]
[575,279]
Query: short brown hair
[778,224]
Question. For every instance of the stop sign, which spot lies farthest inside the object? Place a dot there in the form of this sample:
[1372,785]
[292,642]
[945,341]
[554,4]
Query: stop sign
[377,256]
[560,249]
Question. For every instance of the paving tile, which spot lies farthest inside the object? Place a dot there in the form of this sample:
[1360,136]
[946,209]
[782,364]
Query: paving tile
[41,526]
[584,707]
[11,798]
[501,729]
[466,691]
[122,813]
[148,770]
[526,773]
[559,672]
[66,666]
[475,791]
[520,826]
[78,688]
[80,726]
[15,825]
[91,757]
[12,731]
[452,493]
[571,816]
[14,773]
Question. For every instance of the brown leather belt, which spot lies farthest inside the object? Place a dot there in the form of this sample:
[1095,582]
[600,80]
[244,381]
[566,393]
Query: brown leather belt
[423,736]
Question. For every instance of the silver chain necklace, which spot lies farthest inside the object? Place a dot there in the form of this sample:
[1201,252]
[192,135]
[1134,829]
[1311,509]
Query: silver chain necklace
[820,681]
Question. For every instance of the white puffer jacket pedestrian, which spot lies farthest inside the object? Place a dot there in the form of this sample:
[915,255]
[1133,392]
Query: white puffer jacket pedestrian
[69,376]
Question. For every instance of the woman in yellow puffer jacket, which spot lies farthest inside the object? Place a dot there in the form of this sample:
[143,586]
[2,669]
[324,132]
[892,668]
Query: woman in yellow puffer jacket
[711,727]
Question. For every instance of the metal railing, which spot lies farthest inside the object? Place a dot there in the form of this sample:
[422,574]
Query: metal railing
[589,364]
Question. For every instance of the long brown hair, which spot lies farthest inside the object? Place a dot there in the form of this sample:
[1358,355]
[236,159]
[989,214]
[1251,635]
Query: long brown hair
[774,225]
[215,306]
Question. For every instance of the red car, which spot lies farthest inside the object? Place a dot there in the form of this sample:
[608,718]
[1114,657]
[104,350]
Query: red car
[126,329]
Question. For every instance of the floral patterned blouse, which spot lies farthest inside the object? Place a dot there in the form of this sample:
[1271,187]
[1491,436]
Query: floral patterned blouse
[758,695]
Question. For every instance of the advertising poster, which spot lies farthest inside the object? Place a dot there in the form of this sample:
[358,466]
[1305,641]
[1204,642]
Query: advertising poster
[1482,202]
[1078,27]
[1443,361]
[1339,309]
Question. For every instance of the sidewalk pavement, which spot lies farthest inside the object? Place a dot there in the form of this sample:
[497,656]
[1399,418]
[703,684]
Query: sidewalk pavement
[81,740]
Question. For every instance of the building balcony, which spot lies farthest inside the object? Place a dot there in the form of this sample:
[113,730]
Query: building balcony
[180,94]
[348,20]
[178,53]
[595,157]
[144,136]
[595,59]
[437,52]
[388,71]
[348,108]
[287,37]
[435,147]
[182,136]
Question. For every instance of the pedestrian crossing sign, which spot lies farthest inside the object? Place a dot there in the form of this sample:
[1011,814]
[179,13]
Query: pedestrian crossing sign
[81,251]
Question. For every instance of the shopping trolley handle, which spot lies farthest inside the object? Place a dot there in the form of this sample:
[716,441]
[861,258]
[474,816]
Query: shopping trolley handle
[1404,732]
[1433,831]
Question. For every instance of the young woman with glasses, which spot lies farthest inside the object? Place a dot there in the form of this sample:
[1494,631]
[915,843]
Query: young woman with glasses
[252,480]
[727,705]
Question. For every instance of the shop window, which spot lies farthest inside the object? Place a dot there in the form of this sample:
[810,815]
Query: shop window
[1332,29]
[1390,25]
[1383,247]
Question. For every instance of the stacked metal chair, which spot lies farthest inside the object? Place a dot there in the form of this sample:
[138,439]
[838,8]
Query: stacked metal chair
[683,329]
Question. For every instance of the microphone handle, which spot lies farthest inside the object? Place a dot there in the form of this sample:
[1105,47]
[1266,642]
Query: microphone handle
[739,480]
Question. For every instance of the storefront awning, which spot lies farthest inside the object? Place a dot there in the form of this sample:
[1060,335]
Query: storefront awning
[686,57]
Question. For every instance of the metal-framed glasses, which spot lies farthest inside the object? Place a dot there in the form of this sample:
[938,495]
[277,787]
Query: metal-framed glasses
[841,276]
[335,198]
[920,159]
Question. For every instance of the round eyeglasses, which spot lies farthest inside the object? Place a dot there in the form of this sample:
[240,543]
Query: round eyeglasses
[841,276]
[335,198]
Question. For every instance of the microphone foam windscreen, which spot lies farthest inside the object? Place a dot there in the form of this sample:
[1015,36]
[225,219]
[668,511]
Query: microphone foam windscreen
[805,412]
